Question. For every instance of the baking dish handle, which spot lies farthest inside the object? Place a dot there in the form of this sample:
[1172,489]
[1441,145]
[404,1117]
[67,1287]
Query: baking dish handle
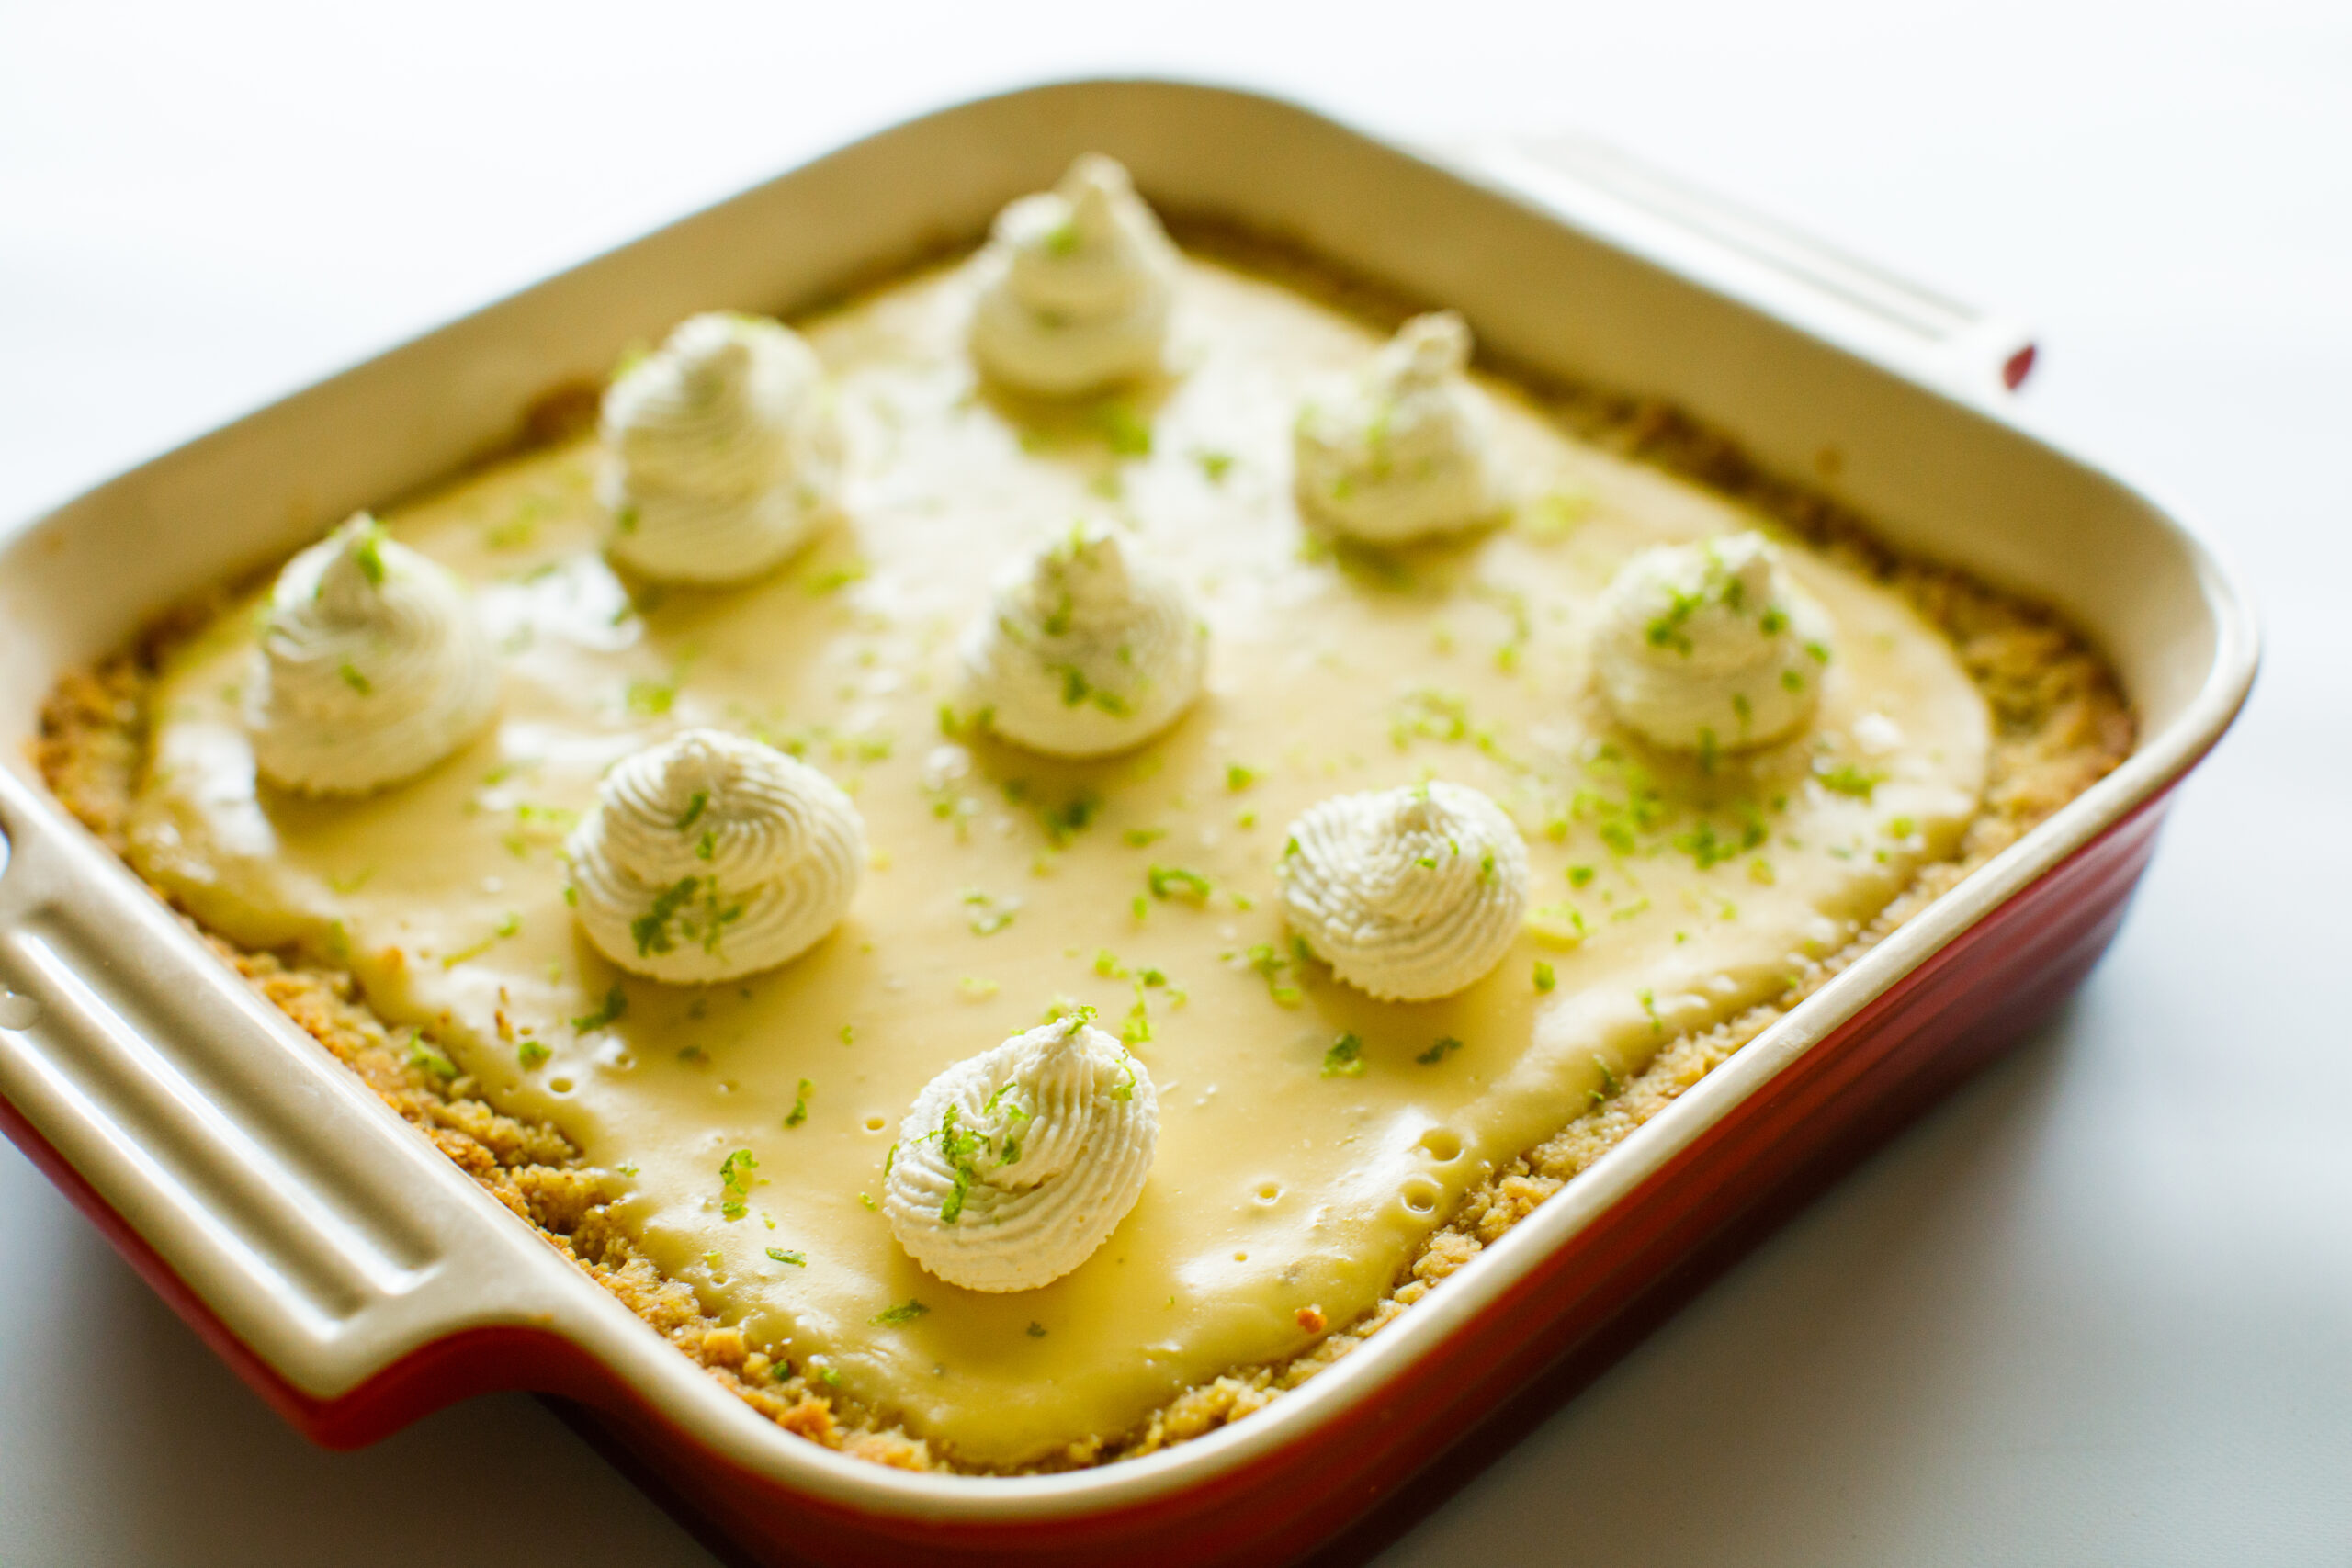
[1957,349]
[296,1208]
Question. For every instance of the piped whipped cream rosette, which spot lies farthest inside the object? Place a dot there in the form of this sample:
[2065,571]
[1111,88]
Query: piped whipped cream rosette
[1087,650]
[1401,451]
[1075,287]
[371,668]
[1711,645]
[708,856]
[1015,1165]
[722,453]
[1408,894]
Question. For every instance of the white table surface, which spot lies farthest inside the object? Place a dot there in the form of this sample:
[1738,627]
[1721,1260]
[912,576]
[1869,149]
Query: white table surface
[2096,1310]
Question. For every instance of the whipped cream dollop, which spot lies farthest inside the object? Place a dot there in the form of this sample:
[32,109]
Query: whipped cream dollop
[1086,650]
[1710,645]
[1406,894]
[1402,450]
[1014,1164]
[722,453]
[709,856]
[372,667]
[1075,287]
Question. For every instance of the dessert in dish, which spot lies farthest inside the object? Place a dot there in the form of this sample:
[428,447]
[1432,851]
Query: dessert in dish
[1341,911]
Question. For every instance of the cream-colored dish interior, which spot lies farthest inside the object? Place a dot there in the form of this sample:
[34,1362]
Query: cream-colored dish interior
[1291,1180]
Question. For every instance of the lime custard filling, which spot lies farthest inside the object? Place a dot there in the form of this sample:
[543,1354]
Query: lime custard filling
[1308,1133]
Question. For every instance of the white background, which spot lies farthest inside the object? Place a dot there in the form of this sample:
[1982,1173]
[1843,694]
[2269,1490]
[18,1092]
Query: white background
[2097,1310]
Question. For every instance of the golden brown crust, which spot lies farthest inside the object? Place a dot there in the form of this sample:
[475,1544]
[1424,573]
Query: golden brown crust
[2060,723]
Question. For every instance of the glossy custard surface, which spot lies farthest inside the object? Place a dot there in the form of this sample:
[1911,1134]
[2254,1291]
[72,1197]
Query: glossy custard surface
[1310,1135]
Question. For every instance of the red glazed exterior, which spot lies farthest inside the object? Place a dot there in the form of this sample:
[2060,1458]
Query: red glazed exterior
[1358,1480]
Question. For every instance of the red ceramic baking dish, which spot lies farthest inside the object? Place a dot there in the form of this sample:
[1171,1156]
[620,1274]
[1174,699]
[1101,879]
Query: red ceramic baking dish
[356,1279]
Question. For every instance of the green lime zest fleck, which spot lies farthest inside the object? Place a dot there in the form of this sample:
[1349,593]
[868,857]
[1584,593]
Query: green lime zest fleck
[1137,1031]
[1610,1083]
[650,699]
[1123,430]
[799,1111]
[1281,971]
[1560,925]
[689,909]
[1709,846]
[961,1147]
[1072,816]
[509,926]
[735,1172]
[987,915]
[368,552]
[904,1312]
[615,1006]
[424,1056]
[838,578]
[1429,714]
[797,1259]
[1344,1059]
[1446,1044]
[1845,778]
[1554,515]
[1175,881]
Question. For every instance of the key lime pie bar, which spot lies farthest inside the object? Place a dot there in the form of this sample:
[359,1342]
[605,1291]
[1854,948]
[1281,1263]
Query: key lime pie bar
[1019,866]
